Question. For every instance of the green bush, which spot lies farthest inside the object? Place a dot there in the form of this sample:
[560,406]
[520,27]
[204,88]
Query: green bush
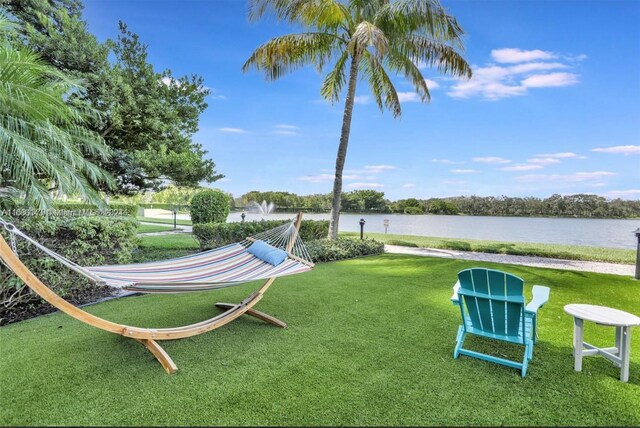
[402,243]
[209,206]
[117,209]
[214,235]
[86,241]
[325,250]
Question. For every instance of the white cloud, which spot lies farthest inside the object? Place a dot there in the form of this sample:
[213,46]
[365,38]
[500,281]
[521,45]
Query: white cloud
[521,167]
[464,171]
[232,130]
[446,161]
[318,178]
[374,169]
[287,127]
[408,185]
[364,186]
[623,194]
[491,159]
[550,80]
[494,82]
[431,84]
[535,66]
[543,161]
[580,57]
[570,178]
[562,155]
[408,97]
[626,150]
[285,132]
[362,99]
[514,55]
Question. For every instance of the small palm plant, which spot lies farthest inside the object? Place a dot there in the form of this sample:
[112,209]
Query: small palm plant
[361,37]
[44,144]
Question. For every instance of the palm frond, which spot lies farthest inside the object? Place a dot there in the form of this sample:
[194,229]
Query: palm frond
[335,79]
[287,53]
[320,14]
[380,84]
[404,17]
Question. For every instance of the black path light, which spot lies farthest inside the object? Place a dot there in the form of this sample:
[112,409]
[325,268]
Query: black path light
[242,216]
[175,215]
[637,232]
[362,222]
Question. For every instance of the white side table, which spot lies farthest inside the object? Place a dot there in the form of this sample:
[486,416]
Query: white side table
[622,321]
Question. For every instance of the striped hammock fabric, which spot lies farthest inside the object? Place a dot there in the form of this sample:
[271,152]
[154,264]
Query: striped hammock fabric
[221,267]
[218,268]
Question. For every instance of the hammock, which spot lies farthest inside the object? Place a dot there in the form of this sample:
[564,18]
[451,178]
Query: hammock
[221,267]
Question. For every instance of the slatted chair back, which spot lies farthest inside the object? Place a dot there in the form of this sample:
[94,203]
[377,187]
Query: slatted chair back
[493,301]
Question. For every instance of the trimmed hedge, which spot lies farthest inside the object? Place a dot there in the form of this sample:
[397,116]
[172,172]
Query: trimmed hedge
[214,235]
[121,209]
[326,250]
[86,241]
[209,206]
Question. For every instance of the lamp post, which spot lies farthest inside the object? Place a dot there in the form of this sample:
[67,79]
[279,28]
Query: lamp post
[175,215]
[637,232]
[386,225]
[362,222]
[242,216]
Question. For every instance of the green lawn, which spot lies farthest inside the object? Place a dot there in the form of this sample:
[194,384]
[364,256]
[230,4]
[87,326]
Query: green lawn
[164,221]
[571,252]
[148,228]
[369,342]
[162,247]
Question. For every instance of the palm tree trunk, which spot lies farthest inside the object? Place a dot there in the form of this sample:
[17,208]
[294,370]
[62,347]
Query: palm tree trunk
[342,148]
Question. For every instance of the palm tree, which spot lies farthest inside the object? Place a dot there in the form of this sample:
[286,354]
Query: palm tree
[365,37]
[44,144]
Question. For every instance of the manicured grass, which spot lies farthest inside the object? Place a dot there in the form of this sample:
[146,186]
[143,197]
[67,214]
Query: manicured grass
[162,247]
[164,221]
[149,228]
[571,252]
[369,342]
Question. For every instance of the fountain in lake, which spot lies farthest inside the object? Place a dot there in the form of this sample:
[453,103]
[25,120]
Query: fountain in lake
[263,208]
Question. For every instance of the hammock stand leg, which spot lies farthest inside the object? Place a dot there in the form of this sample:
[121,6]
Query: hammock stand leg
[255,313]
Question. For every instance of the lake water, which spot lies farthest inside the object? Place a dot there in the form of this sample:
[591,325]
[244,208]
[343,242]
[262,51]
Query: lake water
[569,231]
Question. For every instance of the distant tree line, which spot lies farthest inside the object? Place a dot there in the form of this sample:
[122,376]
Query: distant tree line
[580,205]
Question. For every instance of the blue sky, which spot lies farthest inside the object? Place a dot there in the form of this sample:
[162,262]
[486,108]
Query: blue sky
[554,105]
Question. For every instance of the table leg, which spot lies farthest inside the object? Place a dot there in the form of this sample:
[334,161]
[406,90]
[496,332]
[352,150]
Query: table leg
[619,336]
[624,353]
[577,343]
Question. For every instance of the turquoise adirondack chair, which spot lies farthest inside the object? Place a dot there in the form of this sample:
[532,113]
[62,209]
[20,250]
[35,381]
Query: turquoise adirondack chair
[492,305]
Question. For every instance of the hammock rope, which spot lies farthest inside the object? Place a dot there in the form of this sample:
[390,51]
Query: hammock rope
[217,268]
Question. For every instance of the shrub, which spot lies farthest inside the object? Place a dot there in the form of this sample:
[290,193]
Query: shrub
[325,250]
[86,241]
[209,206]
[402,243]
[214,235]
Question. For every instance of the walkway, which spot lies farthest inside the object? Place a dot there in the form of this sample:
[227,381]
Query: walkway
[579,265]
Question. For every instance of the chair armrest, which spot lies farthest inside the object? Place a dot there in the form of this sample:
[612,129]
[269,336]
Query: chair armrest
[540,297]
[454,297]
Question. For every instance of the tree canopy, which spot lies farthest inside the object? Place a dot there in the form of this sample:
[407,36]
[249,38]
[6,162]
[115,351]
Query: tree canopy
[147,118]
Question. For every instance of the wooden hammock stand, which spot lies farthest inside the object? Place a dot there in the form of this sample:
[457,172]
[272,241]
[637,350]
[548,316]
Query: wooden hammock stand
[147,336]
